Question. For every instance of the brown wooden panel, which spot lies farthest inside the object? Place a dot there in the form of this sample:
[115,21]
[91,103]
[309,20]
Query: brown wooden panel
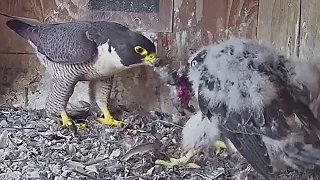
[61,10]
[310,28]
[197,23]
[12,42]
[18,72]
[279,24]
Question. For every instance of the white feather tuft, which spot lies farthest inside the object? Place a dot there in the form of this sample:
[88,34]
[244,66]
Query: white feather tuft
[198,133]
[305,73]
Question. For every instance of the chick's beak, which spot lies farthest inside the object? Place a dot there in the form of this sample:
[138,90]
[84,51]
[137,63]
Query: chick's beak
[150,59]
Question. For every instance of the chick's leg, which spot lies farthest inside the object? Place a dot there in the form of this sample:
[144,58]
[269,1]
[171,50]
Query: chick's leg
[219,146]
[185,160]
[100,91]
[182,161]
[58,97]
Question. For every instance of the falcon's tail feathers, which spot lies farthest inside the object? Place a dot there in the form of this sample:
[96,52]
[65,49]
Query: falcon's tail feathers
[31,21]
[303,156]
[23,29]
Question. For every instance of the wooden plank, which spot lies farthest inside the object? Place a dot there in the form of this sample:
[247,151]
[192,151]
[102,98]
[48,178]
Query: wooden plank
[233,17]
[14,43]
[278,24]
[18,72]
[197,23]
[310,29]
[61,10]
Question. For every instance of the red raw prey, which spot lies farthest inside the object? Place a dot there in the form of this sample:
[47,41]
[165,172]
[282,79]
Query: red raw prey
[184,89]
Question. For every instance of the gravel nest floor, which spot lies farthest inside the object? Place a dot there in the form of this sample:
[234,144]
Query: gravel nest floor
[33,146]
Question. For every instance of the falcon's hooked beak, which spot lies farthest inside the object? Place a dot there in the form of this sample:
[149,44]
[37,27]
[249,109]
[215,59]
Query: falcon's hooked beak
[150,59]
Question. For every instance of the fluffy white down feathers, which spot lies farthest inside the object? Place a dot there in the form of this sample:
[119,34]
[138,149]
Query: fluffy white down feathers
[224,67]
[199,132]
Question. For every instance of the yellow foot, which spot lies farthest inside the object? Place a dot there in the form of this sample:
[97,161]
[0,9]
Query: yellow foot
[108,119]
[66,121]
[219,146]
[184,161]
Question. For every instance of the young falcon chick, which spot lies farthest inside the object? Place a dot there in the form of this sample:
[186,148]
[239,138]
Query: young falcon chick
[84,51]
[262,102]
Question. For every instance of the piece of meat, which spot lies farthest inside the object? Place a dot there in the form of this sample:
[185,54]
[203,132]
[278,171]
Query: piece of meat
[180,87]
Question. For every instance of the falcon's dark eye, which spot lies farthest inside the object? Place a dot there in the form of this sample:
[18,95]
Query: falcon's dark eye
[139,50]
[194,63]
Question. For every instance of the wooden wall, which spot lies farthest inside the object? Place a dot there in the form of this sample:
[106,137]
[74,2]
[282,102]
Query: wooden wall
[18,69]
[195,23]
[292,26]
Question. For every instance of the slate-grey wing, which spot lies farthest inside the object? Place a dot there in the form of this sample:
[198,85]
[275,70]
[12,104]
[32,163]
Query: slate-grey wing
[67,44]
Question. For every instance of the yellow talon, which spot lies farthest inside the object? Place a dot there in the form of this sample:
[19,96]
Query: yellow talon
[182,161]
[108,119]
[219,145]
[66,121]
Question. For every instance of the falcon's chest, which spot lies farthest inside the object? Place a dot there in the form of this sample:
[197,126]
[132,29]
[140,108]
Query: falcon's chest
[107,62]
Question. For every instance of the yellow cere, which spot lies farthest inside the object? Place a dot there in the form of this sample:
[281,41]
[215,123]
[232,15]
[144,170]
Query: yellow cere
[148,59]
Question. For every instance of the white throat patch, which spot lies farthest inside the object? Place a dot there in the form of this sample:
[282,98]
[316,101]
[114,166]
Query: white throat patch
[108,63]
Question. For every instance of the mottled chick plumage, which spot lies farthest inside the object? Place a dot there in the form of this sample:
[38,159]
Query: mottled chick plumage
[265,103]
[84,51]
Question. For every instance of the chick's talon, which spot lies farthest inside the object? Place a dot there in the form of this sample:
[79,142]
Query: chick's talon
[175,162]
[182,161]
[219,146]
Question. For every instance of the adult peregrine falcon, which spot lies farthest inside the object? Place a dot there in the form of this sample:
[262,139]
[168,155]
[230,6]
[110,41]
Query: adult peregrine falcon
[266,104]
[84,51]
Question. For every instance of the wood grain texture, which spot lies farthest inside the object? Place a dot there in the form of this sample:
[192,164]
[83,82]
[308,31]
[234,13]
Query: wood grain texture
[61,10]
[14,43]
[310,29]
[18,72]
[279,24]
